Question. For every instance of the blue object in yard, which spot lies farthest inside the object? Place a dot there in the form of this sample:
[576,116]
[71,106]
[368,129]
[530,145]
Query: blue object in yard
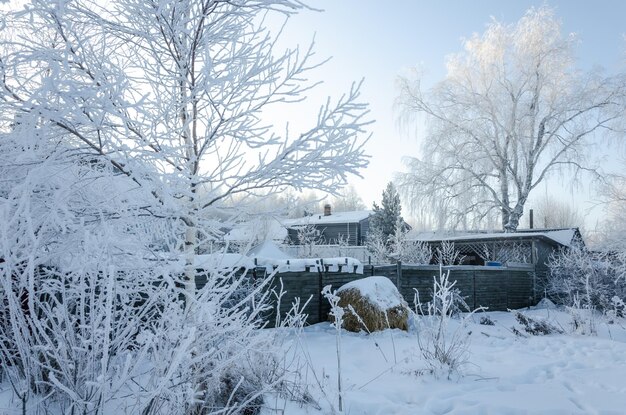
[493,264]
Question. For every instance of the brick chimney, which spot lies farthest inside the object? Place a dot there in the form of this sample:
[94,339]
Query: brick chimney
[327,209]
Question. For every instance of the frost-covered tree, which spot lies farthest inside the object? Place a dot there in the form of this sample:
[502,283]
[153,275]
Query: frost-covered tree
[408,251]
[512,109]
[124,127]
[308,238]
[613,230]
[550,212]
[348,200]
[182,85]
[385,217]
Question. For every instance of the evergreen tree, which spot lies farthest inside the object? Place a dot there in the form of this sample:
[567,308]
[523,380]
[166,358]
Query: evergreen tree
[385,217]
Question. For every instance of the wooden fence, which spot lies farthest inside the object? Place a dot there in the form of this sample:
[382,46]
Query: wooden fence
[495,288]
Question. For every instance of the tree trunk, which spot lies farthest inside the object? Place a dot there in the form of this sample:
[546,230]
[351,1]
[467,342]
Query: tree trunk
[191,233]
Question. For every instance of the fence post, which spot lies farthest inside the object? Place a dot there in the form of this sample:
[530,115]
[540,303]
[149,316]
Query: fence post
[398,274]
[474,289]
[320,287]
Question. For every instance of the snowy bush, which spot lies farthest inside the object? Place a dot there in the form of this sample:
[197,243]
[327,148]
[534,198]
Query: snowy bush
[444,349]
[583,318]
[336,313]
[409,252]
[206,357]
[536,326]
[378,247]
[447,254]
[486,321]
[95,320]
[589,279]
[617,309]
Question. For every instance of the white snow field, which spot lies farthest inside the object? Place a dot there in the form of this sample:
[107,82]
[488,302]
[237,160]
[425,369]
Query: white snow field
[505,374]
[384,373]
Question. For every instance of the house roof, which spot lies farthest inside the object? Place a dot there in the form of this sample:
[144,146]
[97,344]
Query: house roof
[266,228]
[564,236]
[338,217]
[267,249]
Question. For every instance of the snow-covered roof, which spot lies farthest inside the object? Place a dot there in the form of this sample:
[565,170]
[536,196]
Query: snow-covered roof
[263,229]
[267,249]
[563,237]
[338,217]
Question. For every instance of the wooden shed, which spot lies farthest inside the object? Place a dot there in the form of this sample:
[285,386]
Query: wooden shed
[524,247]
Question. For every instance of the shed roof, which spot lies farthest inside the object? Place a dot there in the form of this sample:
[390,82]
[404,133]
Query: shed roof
[563,236]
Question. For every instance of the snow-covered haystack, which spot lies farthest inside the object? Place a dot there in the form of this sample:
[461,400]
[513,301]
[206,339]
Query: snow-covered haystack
[377,303]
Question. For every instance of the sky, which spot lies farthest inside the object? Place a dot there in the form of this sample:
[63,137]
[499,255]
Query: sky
[375,41]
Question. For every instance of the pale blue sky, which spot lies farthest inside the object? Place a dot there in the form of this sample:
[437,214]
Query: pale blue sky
[374,40]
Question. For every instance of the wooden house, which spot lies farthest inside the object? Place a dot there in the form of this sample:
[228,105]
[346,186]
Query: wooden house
[331,228]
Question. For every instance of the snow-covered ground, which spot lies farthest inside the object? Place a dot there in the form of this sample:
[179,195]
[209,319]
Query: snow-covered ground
[384,373]
[505,373]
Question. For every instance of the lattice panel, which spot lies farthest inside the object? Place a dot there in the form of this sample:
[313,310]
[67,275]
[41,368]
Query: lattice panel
[500,251]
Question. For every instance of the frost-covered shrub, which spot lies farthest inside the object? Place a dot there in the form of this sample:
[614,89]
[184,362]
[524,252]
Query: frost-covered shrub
[336,314]
[536,326]
[93,319]
[76,289]
[378,247]
[617,309]
[447,254]
[445,350]
[415,252]
[208,357]
[590,279]
[486,321]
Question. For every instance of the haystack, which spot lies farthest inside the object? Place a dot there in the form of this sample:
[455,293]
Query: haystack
[377,303]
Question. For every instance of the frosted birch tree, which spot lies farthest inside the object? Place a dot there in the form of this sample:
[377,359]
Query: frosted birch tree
[550,212]
[170,96]
[512,109]
[183,86]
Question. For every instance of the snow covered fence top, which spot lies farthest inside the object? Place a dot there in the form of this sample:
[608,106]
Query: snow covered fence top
[335,264]
[223,261]
[218,261]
